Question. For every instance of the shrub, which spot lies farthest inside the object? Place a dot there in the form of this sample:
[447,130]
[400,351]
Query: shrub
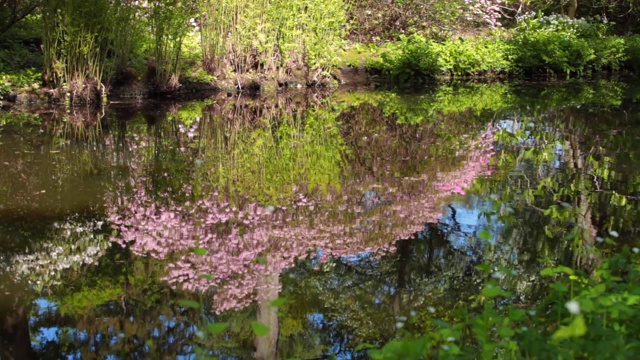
[557,44]
[632,54]
[27,79]
[412,59]
[541,51]
[473,56]
[609,53]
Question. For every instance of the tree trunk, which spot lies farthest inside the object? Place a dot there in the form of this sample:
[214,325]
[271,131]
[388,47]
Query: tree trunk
[573,6]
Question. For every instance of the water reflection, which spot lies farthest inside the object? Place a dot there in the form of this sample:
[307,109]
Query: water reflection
[351,213]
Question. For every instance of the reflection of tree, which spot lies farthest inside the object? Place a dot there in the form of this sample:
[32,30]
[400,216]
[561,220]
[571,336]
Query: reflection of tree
[71,244]
[55,175]
[237,235]
[15,341]
[566,173]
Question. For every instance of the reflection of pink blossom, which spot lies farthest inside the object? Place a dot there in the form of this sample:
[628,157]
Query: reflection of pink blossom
[246,241]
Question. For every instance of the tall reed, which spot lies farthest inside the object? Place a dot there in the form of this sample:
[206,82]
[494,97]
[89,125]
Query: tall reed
[76,40]
[265,35]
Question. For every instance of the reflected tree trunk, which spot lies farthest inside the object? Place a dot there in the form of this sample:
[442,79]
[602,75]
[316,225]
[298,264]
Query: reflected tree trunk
[401,279]
[15,340]
[584,255]
[267,345]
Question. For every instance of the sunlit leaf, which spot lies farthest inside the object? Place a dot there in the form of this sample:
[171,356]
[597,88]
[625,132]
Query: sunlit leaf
[491,291]
[217,328]
[279,301]
[200,251]
[506,331]
[364,346]
[189,303]
[556,270]
[485,234]
[259,328]
[577,328]
[206,276]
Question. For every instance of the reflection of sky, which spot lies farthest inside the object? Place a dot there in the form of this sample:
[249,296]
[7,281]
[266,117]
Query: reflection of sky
[513,126]
[463,228]
[43,307]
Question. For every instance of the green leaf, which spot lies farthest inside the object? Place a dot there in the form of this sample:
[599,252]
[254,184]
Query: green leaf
[506,332]
[599,289]
[259,328]
[516,314]
[206,276]
[491,291]
[556,270]
[200,251]
[577,328]
[485,235]
[279,301]
[261,260]
[559,287]
[217,328]
[189,303]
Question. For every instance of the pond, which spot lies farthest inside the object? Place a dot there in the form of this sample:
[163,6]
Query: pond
[300,224]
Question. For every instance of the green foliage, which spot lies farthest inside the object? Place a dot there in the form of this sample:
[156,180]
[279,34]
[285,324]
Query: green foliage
[474,56]
[415,59]
[169,22]
[557,53]
[411,59]
[561,45]
[86,298]
[550,45]
[27,79]
[580,315]
[268,163]
[633,53]
[610,53]
[19,120]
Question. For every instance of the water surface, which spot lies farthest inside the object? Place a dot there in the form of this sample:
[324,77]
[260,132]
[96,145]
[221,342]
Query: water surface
[299,225]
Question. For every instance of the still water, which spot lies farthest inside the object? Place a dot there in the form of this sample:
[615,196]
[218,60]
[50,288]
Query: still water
[299,225]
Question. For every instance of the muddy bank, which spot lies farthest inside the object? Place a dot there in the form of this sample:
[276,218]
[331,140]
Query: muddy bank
[138,88]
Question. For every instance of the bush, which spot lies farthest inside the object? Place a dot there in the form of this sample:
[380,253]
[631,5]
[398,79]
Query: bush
[609,53]
[556,44]
[473,56]
[412,59]
[540,51]
[632,54]
[27,79]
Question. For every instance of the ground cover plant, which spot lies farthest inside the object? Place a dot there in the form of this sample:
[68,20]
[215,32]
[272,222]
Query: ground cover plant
[548,46]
